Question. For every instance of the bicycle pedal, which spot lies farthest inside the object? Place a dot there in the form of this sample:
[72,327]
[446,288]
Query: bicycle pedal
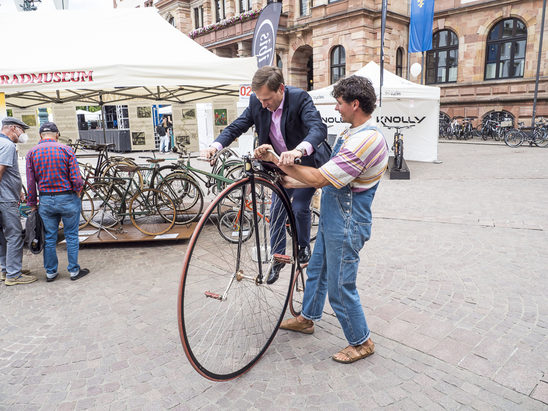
[280,258]
[209,294]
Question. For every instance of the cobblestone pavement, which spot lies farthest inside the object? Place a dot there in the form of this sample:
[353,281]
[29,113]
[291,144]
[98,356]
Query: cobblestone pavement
[453,281]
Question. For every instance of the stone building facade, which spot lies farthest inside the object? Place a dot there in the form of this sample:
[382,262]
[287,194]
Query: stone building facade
[321,40]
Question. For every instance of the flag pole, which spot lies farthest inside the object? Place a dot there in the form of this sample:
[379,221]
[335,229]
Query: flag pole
[383,27]
[538,64]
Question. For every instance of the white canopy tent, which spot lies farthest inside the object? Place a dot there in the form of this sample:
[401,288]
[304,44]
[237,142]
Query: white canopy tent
[404,103]
[138,55]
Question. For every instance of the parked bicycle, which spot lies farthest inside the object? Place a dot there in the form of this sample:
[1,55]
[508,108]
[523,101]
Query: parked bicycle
[150,210]
[535,136]
[228,314]
[397,146]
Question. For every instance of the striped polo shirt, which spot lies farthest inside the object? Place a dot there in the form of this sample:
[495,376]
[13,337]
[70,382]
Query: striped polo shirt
[361,160]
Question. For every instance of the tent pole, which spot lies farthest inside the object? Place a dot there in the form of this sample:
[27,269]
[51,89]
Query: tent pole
[102,104]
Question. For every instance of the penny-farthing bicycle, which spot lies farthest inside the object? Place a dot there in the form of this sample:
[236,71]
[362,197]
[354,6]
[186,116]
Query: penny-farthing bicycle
[228,312]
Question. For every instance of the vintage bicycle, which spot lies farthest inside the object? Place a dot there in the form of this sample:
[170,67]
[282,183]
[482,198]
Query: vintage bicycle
[228,314]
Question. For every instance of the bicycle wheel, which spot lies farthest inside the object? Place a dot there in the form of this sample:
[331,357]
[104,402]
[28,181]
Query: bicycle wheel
[87,209]
[187,196]
[231,222]
[398,155]
[152,211]
[112,170]
[513,138]
[228,314]
[297,292]
[541,138]
[106,199]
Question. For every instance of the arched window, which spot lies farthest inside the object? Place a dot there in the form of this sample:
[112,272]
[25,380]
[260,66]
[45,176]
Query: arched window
[338,63]
[171,20]
[399,61]
[505,57]
[442,60]
[499,117]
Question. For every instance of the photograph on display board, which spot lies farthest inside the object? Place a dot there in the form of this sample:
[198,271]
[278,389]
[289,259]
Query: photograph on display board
[144,112]
[138,138]
[29,119]
[220,117]
[189,114]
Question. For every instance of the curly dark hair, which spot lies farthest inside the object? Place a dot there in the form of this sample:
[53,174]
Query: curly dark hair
[356,88]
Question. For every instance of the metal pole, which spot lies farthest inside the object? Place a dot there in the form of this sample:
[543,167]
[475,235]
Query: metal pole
[102,104]
[422,66]
[538,63]
[383,27]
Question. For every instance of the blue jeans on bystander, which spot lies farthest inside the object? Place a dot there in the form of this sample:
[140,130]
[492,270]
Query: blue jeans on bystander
[53,209]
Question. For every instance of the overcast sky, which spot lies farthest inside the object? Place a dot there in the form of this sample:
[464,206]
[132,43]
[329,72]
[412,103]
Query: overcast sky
[89,4]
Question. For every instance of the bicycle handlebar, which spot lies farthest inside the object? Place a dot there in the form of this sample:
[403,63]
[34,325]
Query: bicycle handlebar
[400,127]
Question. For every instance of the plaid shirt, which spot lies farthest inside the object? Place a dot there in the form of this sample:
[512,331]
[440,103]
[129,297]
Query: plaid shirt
[52,167]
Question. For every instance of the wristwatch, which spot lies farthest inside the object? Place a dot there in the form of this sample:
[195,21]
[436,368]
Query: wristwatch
[302,150]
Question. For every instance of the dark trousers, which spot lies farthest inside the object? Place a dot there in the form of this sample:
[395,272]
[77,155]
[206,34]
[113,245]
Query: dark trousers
[300,204]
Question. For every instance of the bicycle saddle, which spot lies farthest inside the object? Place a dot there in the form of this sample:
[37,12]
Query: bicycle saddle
[155,160]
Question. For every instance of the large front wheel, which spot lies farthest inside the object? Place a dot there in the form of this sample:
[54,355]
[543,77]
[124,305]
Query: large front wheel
[228,313]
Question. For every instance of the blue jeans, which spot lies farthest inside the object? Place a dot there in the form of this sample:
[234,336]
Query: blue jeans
[344,227]
[164,143]
[53,209]
[11,239]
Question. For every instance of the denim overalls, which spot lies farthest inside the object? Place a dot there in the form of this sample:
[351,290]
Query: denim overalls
[344,227]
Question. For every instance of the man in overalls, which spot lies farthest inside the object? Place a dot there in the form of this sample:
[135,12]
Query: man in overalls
[349,180]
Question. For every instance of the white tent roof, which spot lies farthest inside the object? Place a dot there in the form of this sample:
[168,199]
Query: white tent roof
[138,55]
[394,87]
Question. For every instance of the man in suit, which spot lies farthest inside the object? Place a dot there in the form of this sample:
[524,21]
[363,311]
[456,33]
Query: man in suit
[286,118]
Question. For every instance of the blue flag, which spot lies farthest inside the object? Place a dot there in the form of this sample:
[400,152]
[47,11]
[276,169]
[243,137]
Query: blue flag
[420,26]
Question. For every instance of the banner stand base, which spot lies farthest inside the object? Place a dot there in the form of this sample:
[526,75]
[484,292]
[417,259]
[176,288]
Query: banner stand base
[398,174]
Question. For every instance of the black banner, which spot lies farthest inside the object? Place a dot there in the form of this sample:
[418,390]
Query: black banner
[264,36]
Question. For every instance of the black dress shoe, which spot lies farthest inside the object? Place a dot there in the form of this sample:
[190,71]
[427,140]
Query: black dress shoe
[274,273]
[49,280]
[304,254]
[83,272]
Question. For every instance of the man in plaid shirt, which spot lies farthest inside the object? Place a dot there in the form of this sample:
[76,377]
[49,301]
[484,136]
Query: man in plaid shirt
[52,169]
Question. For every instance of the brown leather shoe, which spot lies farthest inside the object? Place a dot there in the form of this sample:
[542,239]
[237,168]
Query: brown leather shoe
[292,324]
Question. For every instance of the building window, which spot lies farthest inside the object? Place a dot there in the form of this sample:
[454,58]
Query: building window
[399,61]
[442,60]
[304,7]
[198,17]
[245,5]
[171,20]
[338,64]
[499,117]
[505,57]
[279,63]
[219,10]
